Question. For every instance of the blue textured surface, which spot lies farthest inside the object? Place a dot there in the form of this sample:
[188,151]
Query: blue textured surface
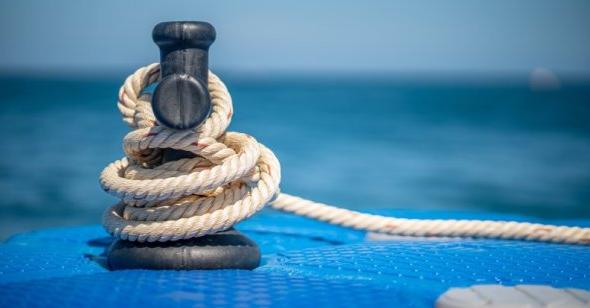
[304,263]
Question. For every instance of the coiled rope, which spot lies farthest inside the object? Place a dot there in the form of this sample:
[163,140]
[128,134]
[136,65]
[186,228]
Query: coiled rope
[233,176]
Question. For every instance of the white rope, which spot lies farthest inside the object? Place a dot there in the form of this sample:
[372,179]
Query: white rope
[233,176]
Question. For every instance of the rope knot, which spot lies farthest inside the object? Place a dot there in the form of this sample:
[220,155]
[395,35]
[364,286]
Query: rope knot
[231,177]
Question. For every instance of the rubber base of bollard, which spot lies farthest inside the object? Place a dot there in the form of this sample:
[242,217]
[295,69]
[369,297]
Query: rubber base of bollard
[228,249]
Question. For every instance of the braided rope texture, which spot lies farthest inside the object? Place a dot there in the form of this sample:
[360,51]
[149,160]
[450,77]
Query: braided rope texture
[233,176]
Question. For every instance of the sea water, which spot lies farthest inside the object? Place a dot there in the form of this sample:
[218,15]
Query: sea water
[379,142]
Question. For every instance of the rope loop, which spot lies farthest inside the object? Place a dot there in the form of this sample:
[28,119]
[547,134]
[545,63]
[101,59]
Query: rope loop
[231,178]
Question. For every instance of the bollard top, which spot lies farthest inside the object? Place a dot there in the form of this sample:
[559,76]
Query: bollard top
[184,34]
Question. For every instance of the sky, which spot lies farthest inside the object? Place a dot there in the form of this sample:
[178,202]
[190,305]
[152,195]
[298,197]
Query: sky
[331,35]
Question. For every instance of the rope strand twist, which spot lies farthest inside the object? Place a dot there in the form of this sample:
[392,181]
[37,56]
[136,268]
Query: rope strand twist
[233,176]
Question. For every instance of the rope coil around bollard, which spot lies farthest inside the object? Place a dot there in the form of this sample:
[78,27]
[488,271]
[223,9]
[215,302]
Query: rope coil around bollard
[233,176]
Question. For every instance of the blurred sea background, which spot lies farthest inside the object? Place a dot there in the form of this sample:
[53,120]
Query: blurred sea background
[406,118]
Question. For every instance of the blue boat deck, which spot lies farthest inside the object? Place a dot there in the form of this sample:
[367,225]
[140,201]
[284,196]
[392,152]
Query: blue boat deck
[304,263]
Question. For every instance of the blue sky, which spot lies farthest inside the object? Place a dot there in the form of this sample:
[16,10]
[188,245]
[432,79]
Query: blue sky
[385,36]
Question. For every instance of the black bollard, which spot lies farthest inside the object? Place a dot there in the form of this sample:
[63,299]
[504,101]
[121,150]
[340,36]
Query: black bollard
[181,101]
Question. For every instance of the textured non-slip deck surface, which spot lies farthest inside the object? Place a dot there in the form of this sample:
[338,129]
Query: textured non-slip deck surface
[304,263]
